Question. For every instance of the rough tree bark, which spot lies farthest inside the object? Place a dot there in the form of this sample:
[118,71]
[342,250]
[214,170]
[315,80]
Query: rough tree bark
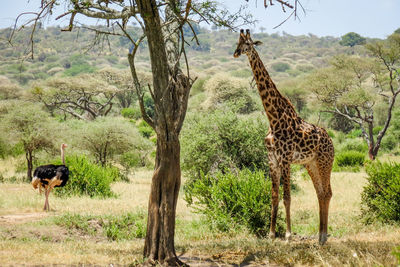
[171,90]
[29,160]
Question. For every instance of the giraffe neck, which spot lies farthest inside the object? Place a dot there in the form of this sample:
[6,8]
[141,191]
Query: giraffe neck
[277,107]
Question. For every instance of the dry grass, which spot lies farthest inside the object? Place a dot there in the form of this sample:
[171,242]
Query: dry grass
[27,235]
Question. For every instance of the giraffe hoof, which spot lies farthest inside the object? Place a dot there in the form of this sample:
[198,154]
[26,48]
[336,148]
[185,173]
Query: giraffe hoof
[323,238]
[288,236]
[272,235]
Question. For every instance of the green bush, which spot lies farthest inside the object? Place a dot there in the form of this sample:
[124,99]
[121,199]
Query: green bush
[389,142]
[79,69]
[380,199]
[223,140]
[131,113]
[355,133]
[280,66]
[356,144]
[230,200]
[376,130]
[350,158]
[145,129]
[87,178]
[123,227]
[225,90]
[198,86]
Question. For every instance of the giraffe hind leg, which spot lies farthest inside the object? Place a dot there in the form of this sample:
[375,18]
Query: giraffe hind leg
[275,177]
[320,173]
[287,199]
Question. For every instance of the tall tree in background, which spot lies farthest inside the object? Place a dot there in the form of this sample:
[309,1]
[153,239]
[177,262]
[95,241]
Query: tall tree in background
[162,25]
[30,126]
[351,39]
[352,86]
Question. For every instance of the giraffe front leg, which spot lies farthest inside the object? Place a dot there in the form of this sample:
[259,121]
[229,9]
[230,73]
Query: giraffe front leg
[287,199]
[275,176]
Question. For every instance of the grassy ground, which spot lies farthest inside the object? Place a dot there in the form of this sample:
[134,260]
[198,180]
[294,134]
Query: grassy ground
[94,231]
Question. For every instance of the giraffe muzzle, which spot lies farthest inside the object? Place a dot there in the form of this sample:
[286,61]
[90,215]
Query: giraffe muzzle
[237,53]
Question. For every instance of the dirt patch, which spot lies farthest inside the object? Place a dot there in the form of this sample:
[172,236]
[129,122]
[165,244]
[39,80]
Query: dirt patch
[21,218]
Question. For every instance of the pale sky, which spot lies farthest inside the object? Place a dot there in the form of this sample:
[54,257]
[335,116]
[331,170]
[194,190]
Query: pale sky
[369,18]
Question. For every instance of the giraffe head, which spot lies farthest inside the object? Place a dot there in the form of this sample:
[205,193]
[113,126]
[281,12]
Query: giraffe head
[245,44]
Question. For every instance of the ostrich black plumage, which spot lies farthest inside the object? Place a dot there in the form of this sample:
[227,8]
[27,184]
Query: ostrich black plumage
[50,176]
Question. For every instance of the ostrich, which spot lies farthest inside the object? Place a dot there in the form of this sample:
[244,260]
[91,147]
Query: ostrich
[50,176]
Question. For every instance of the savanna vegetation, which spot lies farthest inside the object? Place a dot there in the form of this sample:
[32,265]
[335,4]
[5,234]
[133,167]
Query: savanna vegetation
[81,94]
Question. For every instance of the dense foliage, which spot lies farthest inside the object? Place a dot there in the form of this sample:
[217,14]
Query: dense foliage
[231,199]
[351,39]
[223,140]
[230,91]
[108,138]
[87,178]
[350,158]
[381,195]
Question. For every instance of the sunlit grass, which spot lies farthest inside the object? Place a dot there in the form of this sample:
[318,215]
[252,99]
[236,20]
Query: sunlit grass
[28,235]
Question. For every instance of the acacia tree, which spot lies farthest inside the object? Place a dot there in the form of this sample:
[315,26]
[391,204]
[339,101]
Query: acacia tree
[29,125]
[84,97]
[162,25]
[353,85]
[351,39]
[122,79]
[107,137]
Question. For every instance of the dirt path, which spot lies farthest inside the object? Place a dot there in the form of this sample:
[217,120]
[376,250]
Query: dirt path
[21,218]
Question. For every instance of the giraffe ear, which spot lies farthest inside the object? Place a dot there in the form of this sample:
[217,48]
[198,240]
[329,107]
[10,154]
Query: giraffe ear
[257,43]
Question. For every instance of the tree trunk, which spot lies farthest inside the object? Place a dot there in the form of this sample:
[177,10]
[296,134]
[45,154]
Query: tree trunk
[171,91]
[371,143]
[159,242]
[29,161]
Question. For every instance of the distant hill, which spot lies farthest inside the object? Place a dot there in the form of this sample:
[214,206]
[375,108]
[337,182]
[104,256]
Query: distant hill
[71,53]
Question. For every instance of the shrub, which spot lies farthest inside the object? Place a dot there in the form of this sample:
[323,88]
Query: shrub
[228,200]
[131,113]
[123,227]
[223,140]
[223,89]
[376,130]
[87,178]
[79,69]
[389,142]
[355,133]
[107,138]
[357,144]
[380,198]
[280,66]
[350,158]
[145,129]
[134,159]
[198,86]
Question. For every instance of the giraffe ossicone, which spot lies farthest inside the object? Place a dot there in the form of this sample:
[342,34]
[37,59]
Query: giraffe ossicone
[290,140]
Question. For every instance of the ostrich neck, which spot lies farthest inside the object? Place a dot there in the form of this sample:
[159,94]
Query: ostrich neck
[62,155]
[275,105]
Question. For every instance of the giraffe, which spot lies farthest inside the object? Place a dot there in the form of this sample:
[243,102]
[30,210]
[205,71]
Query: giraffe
[290,140]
